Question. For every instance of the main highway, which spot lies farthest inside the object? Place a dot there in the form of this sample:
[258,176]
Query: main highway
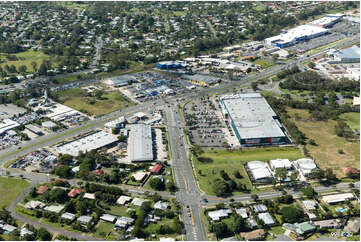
[189,194]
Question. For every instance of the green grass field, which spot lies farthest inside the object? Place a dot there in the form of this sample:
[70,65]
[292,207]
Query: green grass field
[352,119]
[11,188]
[328,143]
[263,63]
[103,229]
[78,99]
[26,58]
[230,161]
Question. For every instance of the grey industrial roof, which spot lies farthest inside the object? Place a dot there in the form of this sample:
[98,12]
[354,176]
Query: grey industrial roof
[203,78]
[351,52]
[48,124]
[86,143]
[140,142]
[252,116]
[122,79]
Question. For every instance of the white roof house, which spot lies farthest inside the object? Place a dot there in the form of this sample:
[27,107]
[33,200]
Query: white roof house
[89,196]
[54,208]
[280,163]
[34,205]
[140,176]
[218,214]
[337,198]
[108,218]
[259,170]
[305,165]
[138,201]
[7,228]
[123,222]
[161,205]
[68,216]
[260,208]
[123,200]
[309,204]
[84,219]
[242,212]
[266,218]
[24,231]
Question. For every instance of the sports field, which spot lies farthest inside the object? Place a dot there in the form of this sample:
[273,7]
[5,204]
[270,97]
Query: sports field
[10,188]
[328,143]
[78,99]
[231,161]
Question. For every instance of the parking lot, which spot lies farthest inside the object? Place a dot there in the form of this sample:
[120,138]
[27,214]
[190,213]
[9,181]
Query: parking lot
[337,33]
[152,85]
[9,110]
[205,128]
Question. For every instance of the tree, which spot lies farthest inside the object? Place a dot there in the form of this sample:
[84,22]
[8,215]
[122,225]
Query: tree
[63,171]
[220,188]
[65,159]
[237,174]
[44,235]
[219,228]
[281,174]
[254,197]
[34,65]
[22,69]
[237,224]
[156,184]
[58,195]
[291,214]
[308,191]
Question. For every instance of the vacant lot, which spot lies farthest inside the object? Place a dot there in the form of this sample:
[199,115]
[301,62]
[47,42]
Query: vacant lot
[230,161]
[352,119]
[79,100]
[326,152]
[263,63]
[25,58]
[10,188]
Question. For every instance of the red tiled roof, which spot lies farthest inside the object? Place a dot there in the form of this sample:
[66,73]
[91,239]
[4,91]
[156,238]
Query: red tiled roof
[347,170]
[157,168]
[98,172]
[42,189]
[75,192]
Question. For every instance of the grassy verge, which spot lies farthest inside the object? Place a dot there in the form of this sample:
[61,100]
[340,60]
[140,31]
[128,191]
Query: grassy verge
[11,188]
[231,161]
[328,143]
[352,119]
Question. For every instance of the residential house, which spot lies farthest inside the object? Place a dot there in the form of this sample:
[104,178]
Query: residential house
[161,205]
[300,229]
[123,222]
[266,218]
[309,204]
[84,220]
[353,226]
[90,196]
[42,189]
[74,192]
[34,205]
[123,200]
[54,208]
[259,208]
[329,224]
[337,198]
[68,216]
[108,218]
[219,214]
[138,201]
[242,212]
[257,234]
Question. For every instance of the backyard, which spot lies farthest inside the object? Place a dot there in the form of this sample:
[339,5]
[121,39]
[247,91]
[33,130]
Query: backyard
[328,144]
[232,160]
[109,102]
